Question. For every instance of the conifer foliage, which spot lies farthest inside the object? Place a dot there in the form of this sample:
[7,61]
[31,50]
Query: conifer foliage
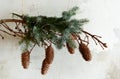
[64,31]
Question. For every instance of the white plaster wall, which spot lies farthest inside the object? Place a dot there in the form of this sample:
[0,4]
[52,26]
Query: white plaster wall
[104,20]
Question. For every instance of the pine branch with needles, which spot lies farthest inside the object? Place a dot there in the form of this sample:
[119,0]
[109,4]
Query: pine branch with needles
[64,31]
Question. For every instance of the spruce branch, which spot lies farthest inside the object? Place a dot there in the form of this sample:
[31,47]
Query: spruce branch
[45,31]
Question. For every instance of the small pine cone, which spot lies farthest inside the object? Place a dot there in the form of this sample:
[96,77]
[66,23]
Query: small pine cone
[84,50]
[45,67]
[70,49]
[49,54]
[25,59]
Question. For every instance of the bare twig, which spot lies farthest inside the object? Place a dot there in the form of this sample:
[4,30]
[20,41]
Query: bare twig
[94,37]
[94,40]
[1,36]
[32,47]
[80,39]
[20,16]
[86,37]
[11,30]
[3,23]
[7,32]
[11,20]
[17,27]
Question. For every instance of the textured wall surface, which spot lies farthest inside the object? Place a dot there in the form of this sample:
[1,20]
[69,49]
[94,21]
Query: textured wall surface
[104,21]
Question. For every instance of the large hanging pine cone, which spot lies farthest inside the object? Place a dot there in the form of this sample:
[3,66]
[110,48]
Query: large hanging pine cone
[45,67]
[25,59]
[84,50]
[49,54]
[70,49]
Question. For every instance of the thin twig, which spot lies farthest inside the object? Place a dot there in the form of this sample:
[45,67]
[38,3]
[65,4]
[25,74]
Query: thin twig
[11,30]
[101,45]
[97,36]
[7,32]
[1,36]
[94,37]
[4,26]
[17,27]
[81,40]
[87,37]
[20,16]
[94,40]
[11,20]
[32,47]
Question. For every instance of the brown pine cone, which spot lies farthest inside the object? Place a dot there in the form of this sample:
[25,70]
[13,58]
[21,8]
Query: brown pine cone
[84,50]
[25,59]
[70,49]
[49,54]
[45,67]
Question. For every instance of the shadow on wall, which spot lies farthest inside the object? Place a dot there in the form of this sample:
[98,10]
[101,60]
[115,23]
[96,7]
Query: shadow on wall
[3,71]
[113,71]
